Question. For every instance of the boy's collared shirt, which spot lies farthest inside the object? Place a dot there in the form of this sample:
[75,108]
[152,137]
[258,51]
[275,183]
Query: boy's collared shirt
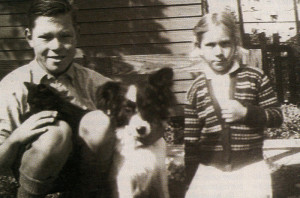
[68,84]
[78,84]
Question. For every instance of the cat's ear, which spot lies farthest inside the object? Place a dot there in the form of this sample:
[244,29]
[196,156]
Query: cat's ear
[28,85]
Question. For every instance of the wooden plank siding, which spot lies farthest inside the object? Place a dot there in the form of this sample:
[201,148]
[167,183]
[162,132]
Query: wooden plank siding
[126,31]
[134,68]
[110,28]
[88,40]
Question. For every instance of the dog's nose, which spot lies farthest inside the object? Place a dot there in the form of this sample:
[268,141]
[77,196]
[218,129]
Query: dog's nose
[141,130]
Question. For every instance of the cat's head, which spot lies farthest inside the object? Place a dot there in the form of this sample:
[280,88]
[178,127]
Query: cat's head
[42,97]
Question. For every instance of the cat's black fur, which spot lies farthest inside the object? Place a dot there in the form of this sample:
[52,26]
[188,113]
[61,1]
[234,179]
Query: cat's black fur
[43,97]
[110,96]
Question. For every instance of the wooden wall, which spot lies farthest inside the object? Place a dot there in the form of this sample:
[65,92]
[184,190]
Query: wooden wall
[113,27]
[137,26]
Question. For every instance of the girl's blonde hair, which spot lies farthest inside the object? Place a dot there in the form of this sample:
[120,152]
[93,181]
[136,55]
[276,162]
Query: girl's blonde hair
[225,18]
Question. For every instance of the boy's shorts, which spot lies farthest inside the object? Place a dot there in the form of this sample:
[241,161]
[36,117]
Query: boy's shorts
[69,176]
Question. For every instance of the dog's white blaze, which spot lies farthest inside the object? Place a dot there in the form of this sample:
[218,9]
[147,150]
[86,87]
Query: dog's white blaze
[131,93]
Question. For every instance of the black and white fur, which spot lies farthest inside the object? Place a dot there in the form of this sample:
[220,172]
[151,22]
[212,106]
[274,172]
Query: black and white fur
[139,168]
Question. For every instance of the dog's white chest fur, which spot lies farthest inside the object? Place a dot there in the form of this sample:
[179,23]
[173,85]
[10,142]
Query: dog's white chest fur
[133,156]
[137,168]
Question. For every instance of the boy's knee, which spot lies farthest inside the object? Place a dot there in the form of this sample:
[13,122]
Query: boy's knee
[95,129]
[58,139]
[47,155]
[56,143]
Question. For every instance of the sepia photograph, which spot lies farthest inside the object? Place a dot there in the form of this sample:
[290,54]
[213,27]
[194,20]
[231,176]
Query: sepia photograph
[149,99]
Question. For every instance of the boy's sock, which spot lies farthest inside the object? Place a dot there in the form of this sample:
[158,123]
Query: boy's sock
[33,188]
[22,193]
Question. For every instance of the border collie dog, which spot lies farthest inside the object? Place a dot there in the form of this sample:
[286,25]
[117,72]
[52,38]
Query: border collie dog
[139,168]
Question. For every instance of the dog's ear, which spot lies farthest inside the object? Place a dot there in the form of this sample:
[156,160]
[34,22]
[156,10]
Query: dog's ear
[162,77]
[155,98]
[108,95]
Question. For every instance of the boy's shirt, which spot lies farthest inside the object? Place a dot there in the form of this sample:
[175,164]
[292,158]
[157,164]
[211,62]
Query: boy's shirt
[79,84]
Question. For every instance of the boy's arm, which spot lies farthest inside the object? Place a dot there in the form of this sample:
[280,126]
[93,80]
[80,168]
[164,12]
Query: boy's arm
[9,149]
[9,110]
[268,112]
[34,126]
[13,134]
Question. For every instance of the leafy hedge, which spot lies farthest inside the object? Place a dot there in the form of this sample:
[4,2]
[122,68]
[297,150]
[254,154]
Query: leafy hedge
[290,129]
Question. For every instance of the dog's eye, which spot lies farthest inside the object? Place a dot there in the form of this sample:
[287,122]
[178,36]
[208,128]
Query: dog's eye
[129,110]
[130,107]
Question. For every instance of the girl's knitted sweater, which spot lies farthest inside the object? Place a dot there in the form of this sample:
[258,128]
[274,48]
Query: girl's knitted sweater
[228,146]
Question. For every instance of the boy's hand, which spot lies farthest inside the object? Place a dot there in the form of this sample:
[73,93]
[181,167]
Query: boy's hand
[233,111]
[33,126]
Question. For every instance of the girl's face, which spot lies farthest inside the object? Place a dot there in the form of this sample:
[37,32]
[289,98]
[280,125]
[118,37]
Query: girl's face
[218,49]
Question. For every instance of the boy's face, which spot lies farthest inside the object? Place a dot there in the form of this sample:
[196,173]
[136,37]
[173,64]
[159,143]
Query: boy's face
[53,40]
[218,49]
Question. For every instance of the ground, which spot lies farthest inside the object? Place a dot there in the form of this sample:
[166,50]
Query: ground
[285,179]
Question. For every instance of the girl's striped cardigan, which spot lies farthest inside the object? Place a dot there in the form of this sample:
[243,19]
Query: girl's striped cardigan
[211,141]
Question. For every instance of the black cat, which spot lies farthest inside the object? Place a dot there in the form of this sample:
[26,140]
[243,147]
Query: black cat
[43,97]
[110,96]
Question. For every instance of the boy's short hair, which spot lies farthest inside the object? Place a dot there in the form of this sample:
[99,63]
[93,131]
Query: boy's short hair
[225,18]
[49,8]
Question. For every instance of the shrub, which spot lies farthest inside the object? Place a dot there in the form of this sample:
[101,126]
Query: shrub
[290,129]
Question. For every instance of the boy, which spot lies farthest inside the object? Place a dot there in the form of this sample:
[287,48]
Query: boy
[228,106]
[38,149]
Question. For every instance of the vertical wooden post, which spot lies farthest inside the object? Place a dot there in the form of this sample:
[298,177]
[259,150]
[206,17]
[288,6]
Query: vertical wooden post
[292,75]
[241,21]
[247,41]
[204,7]
[294,62]
[297,21]
[278,68]
[263,47]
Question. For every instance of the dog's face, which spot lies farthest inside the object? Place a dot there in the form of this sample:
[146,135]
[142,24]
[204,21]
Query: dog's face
[113,101]
[143,108]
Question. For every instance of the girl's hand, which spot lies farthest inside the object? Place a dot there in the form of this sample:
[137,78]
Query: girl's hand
[233,111]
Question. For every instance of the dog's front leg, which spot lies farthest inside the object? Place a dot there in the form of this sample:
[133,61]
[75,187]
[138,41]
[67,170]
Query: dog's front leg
[163,183]
[162,180]
[124,186]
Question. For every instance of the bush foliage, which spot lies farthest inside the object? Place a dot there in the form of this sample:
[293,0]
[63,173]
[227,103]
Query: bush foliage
[290,129]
